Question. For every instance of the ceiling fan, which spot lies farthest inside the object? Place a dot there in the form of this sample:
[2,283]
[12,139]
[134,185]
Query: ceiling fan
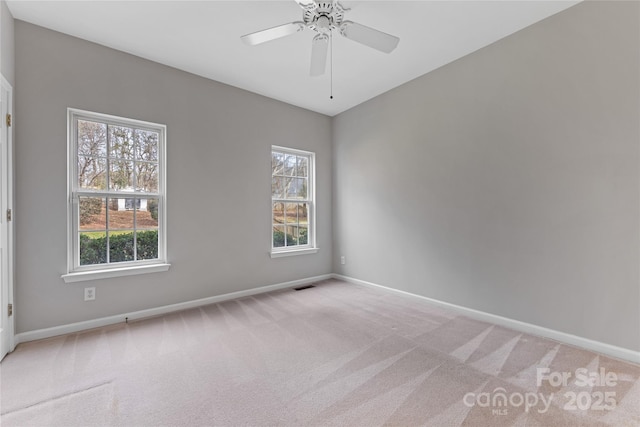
[324,17]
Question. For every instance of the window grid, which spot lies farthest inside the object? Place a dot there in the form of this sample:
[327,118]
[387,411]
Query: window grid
[123,237]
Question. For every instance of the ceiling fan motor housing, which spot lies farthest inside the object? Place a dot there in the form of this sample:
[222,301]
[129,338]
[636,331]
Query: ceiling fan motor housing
[324,16]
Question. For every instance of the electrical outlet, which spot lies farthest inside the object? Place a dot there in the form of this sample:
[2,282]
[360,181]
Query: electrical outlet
[343,261]
[89,294]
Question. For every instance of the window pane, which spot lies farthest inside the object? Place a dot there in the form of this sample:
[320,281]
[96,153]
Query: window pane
[291,213]
[278,213]
[121,213]
[147,244]
[277,163]
[146,145]
[302,167]
[93,247]
[277,187]
[278,236]
[297,189]
[92,213]
[303,213]
[292,236]
[121,246]
[287,182]
[303,233]
[92,139]
[289,164]
[120,175]
[121,142]
[92,172]
[147,214]
[147,177]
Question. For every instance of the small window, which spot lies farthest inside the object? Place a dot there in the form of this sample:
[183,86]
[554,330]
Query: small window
[292,201]
[116,192]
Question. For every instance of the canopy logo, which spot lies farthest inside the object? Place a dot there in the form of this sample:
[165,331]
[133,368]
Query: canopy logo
[500,401]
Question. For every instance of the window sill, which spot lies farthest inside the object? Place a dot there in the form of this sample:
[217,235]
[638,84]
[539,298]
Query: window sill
[114,272]
[280,254]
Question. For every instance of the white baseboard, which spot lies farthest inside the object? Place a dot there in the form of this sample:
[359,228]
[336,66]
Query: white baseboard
[120,318]
[597,346]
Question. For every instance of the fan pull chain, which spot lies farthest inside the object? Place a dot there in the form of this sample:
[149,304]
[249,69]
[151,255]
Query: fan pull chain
[331,65]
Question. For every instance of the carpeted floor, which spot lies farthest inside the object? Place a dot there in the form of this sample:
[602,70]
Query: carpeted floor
[336,354]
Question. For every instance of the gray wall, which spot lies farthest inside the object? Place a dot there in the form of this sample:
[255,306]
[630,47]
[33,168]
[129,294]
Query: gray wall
[218,179]
[6,43]
[507,181]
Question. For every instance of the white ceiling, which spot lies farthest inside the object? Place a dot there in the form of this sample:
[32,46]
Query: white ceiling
[203,37]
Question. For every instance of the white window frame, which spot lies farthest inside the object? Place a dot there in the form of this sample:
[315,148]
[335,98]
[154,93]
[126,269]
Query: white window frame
[77,272]
[311,246]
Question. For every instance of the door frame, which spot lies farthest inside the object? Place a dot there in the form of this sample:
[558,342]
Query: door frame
[6,202]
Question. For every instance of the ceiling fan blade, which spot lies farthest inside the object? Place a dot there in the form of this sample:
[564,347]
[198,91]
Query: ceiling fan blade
[272,33]
[369,37]
[319,47]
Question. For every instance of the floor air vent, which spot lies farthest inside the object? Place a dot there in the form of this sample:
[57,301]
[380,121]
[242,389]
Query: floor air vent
[303,287]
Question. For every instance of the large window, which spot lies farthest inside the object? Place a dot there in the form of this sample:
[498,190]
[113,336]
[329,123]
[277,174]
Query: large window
[116,193]
[292,201]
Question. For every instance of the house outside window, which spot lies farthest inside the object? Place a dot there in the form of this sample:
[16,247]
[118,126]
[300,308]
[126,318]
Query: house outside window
[292,202]
[116,195]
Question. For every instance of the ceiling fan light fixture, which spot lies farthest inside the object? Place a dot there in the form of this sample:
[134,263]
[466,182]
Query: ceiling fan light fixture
[323,23]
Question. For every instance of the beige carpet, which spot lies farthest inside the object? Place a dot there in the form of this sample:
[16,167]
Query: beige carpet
[337,354]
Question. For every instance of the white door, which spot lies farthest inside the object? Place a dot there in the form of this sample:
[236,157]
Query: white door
[6,229]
